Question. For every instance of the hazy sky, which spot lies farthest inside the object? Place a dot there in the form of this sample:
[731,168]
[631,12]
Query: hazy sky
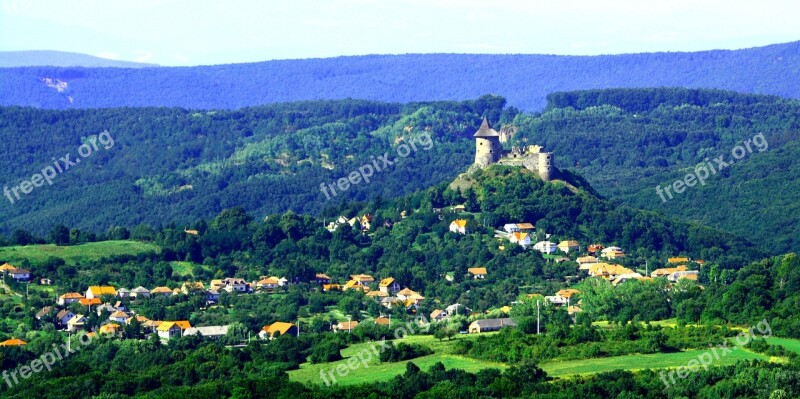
[192,32]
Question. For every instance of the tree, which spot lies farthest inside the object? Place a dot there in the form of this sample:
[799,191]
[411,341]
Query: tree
[60,235]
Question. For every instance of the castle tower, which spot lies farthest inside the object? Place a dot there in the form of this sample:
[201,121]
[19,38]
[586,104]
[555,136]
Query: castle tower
[544,165]
[488,149]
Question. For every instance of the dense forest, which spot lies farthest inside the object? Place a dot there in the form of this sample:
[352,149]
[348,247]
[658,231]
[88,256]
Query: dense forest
[627,142]
[524,79]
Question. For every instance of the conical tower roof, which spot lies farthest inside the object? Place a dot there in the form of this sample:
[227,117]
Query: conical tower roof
[486,130]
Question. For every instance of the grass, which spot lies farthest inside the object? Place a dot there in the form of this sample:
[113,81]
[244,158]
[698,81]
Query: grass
[377,371]
[788,343]
[641,362]
[183,269]
[73,254]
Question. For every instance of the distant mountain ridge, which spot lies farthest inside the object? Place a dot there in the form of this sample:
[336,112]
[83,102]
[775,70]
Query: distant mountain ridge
[525,80]
[11,59]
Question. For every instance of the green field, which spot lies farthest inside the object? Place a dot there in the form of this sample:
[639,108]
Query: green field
[376,371]
[788,343]
[73,254]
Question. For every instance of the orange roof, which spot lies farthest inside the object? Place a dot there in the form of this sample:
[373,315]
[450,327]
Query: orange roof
[109,328]
[678,260]
[323,276]
[161,290]
[119,314]
[383,321]
[525,226]
[7,268]
[386,282]
[268,281]
[331,287]
[478,271]
[519,236]
[362,278]
[167,325]
[568,292]
[98,290]
[460,223]
[347,325]
[72,295]
[279,327]
[13,342]
[90,302]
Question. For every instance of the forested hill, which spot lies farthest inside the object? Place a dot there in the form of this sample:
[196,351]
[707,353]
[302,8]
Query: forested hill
[628,142]
[524,80]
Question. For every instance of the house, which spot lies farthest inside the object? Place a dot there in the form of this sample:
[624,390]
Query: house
[438,315]
[279,328]
[345,326]
[678,260]
[89,302]
[683,274]
[76,323]
[68,298]
[110,328]
[510,228]
[452,310]
[612,253]
[569,246]
[322,278]
[377,294]
[191,232]
[545,247]
[192,287]
[64,317]
[20,274]
[235,284]
[331,287]
[478,273]
[607,271]
[123,293]
[562,297]
[44,312]
[161,291]
[383,321]
[13,342]
[389,285]
[666,271]
[487,325]
[627,276]
[217,285]
[459,226]
[96,291]
[267,284]
[584,262]
[170,329]
[359,282]
[212,296]
[6,268]
[521,239]
[140,292]
[210,332]
[595,249]
[151,325]
[118,316]
[407,294]
[525,227]
[366,222]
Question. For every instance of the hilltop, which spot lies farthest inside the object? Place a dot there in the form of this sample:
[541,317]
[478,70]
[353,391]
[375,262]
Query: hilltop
[11,59]
[525,80]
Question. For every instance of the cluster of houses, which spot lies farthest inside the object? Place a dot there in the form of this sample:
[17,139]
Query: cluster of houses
[388,292]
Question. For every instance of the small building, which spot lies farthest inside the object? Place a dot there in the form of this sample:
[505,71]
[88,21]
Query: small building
[487,325]
[47,310]
[608,271]
[124,293]
[348,326]
[161,291]
[612,253]
[409,294]
[210,332]
[545,247]
[438,315]
[595,249]
[678,260]
[89,302]
[212,296]
[520,238]
[459,226]
[118,316]
[478,273]
[96,291]
[322,278]
[389,285]
[383,321]
[585,262]
[76,323]
[193,287]
[171,329]
[235,284]
[69,298]
[64,316]
[277,329]
[13,342]
[666,271]
[683,274]
[569,246]
[268,284]
[140,292]
[110,328]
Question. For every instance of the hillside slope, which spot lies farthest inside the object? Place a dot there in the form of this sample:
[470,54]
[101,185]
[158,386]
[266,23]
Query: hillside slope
[11,59]
[524,80]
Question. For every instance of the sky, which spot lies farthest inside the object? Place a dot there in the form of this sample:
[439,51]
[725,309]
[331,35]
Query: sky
[201,32]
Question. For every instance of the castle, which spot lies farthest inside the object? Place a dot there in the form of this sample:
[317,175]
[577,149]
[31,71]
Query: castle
[489,150]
